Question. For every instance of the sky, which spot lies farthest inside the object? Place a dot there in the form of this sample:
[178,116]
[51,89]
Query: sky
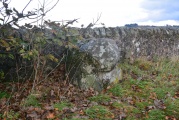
[113,12]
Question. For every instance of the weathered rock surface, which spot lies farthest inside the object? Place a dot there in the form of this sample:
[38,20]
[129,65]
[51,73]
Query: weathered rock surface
[104,51]
[99,65]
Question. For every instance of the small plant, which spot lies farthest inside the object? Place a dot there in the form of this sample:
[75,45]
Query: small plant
[60,106]
[116,90]
[99,112]
[31,100]
[100,98]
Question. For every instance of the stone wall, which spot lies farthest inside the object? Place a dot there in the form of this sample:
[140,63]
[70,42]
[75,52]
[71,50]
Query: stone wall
[140,41]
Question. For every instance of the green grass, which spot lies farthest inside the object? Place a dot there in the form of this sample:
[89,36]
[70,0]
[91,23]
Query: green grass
[116,90]
[172,108]
[142,105]
[31,100]
[99,112]
[4,94]
[117,105]
[100,98]
[60,106]
[162,92]
[75,119]
[10,115]
[156,115]
[145,81]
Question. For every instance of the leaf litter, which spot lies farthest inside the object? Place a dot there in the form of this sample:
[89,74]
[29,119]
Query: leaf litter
[129,104]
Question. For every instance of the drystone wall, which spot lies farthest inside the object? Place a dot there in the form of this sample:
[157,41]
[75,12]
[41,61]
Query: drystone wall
[140,41]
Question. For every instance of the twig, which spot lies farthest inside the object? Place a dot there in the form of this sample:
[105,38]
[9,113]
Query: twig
[92,24]
[70,22]
[26,6]
[52,7]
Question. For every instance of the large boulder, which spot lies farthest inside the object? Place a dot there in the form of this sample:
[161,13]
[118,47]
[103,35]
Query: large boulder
[98,64]
[104,51]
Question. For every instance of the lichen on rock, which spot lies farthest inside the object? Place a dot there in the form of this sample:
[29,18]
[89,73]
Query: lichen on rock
[98,65]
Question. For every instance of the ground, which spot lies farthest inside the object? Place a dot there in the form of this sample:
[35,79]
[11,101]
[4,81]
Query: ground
[149,90]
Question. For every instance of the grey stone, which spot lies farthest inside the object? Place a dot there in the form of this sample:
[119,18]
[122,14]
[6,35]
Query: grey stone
[99,67]
[96,32]
[104,51]
[102,32]
[99,79]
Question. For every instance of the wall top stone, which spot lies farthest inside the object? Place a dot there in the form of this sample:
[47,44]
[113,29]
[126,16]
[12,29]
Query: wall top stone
[140,41]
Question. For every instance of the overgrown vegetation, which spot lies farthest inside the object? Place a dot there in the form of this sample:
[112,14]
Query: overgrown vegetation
[27,53]
[30,89]
[142,94]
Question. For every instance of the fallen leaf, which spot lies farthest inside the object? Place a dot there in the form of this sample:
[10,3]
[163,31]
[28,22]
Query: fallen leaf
[52,93]
[50,115]
[73,109]
[48,107]
[81,112]
[122,115]
[170,118]
[153,95]
[159,104]
[176,94]
[33,115]
[148,108]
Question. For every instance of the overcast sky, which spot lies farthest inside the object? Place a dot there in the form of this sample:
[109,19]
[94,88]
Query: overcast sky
[113,12]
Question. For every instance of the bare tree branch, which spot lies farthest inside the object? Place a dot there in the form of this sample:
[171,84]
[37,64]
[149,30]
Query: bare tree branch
[52,7]
[26,5]
[12,16]
[44,12]
[40,3]
[70,22]
[92,24]
[20,18]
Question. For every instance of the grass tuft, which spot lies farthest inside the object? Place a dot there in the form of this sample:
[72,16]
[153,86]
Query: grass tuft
[102,98]
[31,100]
[99,112]
[60,106]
